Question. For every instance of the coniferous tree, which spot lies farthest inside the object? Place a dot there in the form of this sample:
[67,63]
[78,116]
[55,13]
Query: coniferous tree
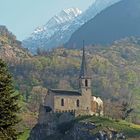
[8,105]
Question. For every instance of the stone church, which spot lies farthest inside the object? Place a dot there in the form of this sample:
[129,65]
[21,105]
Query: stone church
[81,102]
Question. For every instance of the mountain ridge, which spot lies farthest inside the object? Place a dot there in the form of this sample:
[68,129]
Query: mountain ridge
[117,21]
[60,37]
[41,36]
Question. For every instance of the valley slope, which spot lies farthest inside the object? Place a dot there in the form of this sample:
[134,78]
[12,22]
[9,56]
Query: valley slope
[114,70]
[10,47]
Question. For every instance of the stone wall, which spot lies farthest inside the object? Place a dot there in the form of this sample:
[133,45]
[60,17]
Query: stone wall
[94,106]
[86,99]
[70,103]
[97,105]
[49,99]
[48,123]
[82,83]
[88,104]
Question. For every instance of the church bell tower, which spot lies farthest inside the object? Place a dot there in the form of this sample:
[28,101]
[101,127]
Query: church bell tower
[84,78]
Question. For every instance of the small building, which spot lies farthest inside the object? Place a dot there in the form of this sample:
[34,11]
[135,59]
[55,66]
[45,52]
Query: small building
[81,102]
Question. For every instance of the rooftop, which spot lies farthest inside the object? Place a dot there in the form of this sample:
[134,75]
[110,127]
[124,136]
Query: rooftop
[65,92]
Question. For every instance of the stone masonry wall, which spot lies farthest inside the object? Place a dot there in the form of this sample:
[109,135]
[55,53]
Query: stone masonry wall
[70,103]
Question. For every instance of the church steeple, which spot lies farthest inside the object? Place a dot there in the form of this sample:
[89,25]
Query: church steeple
[83,71]
[84,79]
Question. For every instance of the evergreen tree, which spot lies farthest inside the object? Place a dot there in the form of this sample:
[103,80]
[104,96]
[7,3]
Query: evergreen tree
[8,105]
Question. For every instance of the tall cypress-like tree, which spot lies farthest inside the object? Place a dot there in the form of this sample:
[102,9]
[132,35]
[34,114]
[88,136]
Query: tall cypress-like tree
[8,105]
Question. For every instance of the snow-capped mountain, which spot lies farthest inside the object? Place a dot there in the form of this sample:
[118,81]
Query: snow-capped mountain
[62,19]
[59,29]
[42,35]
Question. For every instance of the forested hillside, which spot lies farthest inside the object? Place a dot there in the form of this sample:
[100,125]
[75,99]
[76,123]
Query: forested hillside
[114,70]
[10,47]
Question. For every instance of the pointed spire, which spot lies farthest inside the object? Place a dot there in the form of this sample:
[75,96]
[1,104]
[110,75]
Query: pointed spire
[83,71]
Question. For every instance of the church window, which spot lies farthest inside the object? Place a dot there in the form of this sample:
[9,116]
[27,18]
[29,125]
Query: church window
[78,103]
[62,102]
[86,83]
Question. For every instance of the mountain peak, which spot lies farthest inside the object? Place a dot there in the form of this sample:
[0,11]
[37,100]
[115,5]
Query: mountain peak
[66,15]
[58,30]
[62,17]
[60,21]
[75,11]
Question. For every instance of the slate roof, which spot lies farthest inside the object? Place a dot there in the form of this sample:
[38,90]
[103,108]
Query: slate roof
[65,92]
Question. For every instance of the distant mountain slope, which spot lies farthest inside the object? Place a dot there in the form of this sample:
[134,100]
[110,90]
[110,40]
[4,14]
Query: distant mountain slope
[116,22]
[57,32]
[42,36]
[10,48]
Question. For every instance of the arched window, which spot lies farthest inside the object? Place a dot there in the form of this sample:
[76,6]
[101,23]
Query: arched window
[62,102]
[78,103]
[86,83]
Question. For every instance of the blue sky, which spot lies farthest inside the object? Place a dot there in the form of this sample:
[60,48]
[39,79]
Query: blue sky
[23,16]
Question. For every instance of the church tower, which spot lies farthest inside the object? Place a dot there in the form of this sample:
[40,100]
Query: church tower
[84,78]
[85,85]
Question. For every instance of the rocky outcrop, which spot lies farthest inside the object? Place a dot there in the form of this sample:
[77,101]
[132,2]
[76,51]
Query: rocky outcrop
[49,123]
[80,131]
[63,126]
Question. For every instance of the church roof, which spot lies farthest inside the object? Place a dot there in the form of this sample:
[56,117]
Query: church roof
[65,92]
[83,70]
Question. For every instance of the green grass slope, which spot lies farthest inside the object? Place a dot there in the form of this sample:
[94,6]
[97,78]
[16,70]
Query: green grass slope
[130,130]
